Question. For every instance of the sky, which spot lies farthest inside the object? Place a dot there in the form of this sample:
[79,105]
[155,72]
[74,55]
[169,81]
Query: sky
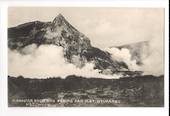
[105,26]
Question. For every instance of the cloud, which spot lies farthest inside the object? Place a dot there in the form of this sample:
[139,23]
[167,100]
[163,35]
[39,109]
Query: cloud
[48,61]
[152,63]
[125,56]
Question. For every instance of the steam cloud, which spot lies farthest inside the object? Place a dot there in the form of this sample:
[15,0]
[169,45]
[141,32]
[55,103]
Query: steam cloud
[48,61]
[152,62]
[125,56]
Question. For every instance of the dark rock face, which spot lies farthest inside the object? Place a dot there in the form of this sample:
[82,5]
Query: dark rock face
[25,34]
[77,47]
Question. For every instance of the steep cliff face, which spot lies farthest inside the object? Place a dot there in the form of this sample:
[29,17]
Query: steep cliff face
[76,46]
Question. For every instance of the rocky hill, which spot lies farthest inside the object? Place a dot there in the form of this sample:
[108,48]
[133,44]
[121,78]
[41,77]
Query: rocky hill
[77,47]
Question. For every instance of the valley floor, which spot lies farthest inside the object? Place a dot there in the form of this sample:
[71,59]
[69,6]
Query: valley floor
[144,91]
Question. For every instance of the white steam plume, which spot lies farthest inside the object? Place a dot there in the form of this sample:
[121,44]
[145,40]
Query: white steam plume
[48,61]
[152,62]
[125,56]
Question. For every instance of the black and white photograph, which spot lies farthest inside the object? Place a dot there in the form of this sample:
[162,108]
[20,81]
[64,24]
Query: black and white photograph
[85,57]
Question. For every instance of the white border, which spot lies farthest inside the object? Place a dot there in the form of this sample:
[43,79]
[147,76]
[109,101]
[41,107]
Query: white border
[5,111]
[89,3]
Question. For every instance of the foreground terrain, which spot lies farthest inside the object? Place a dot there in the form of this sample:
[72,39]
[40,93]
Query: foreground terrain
[86,92]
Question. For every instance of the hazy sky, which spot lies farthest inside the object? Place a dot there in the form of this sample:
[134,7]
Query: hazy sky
[104,26]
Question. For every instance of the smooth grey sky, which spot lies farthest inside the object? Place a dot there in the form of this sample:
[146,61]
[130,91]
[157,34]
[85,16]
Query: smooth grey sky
[104,26]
